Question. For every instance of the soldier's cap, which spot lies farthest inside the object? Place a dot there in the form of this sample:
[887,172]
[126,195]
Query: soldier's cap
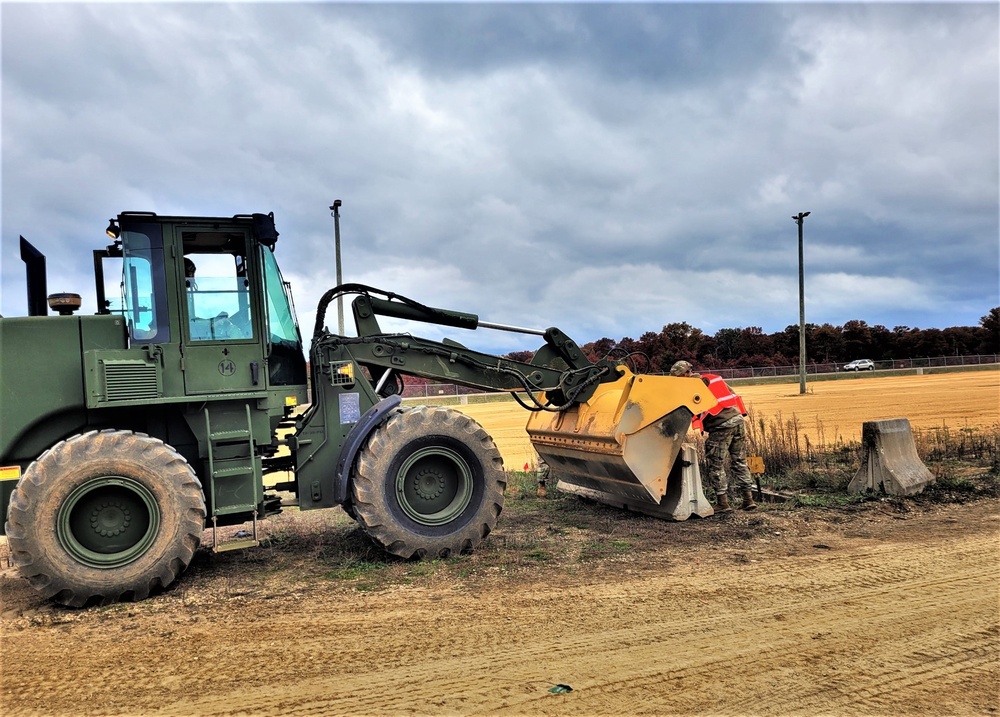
[680,368]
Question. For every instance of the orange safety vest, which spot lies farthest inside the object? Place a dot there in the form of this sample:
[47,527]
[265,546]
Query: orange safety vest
[724,395]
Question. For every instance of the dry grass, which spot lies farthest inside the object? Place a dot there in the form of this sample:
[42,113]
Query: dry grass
[793,461]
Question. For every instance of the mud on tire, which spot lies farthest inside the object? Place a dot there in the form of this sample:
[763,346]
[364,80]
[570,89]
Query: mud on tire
[428,483]
[105,516]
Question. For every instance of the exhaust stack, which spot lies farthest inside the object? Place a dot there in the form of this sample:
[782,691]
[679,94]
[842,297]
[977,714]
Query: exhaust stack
[34,264]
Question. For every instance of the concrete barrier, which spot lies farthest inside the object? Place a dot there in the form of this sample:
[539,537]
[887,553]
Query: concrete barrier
[684,496]
[890,464]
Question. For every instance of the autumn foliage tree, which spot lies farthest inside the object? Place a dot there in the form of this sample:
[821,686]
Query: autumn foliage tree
[825,343]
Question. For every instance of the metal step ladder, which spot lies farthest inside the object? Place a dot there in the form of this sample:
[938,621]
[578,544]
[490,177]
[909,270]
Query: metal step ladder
[235,475]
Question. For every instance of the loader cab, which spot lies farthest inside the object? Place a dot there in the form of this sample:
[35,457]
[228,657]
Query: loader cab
[209,289]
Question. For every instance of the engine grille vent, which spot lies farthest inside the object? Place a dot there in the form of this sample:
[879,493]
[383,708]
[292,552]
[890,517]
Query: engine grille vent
[131,380]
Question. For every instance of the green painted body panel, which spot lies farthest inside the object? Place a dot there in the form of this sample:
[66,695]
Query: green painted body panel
[222,368]
[42,378]
[338,403]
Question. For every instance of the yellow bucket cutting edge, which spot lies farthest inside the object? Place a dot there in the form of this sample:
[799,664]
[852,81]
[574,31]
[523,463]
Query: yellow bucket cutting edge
[625,440]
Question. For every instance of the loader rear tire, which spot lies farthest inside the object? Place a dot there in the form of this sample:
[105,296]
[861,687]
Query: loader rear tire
[105,516]
[428,483]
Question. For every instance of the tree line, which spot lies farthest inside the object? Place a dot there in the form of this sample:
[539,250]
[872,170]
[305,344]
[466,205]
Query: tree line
[825,343]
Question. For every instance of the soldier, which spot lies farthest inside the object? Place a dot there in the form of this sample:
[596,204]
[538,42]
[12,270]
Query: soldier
[726,434]
[543,476]
[189,272]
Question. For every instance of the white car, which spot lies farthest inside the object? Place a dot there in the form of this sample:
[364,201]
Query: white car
[860,365]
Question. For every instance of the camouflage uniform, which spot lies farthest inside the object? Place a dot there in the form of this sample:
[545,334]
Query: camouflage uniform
[727,433]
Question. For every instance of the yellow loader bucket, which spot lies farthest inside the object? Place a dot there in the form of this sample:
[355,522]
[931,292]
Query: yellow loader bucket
[620,447]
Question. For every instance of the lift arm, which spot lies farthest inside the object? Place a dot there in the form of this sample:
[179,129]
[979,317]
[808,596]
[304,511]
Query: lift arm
[560,370]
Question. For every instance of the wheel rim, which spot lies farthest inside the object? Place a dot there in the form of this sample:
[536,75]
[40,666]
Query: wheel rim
[434,485]
[108,522]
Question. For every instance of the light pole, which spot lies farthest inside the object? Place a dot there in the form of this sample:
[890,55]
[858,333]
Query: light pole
[799,219]
[335,207]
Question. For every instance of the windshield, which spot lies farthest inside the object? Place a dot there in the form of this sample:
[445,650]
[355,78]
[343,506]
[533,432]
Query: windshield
[281,321]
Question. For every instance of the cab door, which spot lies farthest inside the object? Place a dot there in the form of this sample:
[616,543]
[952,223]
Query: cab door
[220,314]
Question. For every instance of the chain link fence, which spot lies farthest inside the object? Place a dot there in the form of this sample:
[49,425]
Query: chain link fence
[443,390]
[885,365]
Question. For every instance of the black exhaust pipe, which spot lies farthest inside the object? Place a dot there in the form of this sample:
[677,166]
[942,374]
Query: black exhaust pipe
[34,265]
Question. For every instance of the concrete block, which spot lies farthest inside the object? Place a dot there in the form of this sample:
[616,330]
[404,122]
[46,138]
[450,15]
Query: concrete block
[890,464]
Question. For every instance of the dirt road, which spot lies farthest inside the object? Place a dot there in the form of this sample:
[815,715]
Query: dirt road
[892,609]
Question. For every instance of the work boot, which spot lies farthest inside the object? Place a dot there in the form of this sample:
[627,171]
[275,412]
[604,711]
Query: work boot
[748,503]
[722,504]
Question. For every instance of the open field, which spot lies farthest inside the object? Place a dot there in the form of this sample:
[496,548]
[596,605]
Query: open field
[829,411]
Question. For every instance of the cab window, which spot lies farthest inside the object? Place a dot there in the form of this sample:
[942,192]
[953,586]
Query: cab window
[144,284]
[218,297]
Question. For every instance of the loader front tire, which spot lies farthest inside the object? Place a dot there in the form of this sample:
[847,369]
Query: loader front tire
[428,483]
[105,516]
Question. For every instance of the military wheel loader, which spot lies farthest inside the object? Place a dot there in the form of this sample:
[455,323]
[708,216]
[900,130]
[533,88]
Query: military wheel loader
[184,404]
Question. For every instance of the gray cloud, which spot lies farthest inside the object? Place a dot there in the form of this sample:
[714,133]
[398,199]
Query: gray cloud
[604,168]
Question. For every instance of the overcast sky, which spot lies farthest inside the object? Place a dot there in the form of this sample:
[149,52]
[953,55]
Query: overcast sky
[603,168]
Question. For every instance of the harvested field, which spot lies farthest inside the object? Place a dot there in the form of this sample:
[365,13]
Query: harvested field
[829,411]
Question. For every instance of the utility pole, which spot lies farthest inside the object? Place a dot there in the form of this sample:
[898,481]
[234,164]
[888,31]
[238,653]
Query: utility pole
[335,207]
[799,219]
